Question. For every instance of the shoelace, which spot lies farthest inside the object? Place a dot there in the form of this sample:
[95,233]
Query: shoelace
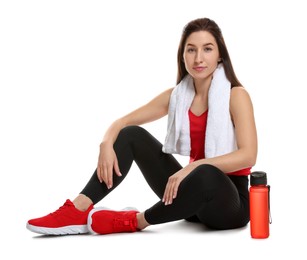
[61,209]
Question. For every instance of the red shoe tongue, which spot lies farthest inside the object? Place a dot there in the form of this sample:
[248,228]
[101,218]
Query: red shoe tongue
[68,203]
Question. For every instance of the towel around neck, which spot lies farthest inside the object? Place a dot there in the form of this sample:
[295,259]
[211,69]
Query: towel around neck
[220,133]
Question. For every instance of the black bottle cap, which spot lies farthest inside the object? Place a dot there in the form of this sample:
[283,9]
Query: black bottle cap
[258,178]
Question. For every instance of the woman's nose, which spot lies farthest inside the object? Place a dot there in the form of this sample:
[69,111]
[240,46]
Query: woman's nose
[199,57]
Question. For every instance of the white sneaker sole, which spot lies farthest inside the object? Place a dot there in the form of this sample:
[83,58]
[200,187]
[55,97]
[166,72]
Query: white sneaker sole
[67,230]
[89,218]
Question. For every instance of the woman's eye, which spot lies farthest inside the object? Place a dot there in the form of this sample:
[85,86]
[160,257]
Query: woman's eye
[191,50]
[208,49]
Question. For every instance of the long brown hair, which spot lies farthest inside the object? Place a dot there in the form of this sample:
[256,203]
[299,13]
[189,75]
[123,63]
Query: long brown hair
[206,24]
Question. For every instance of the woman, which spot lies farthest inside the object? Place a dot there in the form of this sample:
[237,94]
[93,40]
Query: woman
[210,119]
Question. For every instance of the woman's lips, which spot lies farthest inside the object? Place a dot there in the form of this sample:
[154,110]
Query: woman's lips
[199,69]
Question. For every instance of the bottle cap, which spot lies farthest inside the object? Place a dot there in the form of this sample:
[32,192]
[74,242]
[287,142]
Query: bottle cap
[258,178]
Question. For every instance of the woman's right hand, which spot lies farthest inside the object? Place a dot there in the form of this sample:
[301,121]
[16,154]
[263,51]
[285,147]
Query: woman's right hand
[107,161]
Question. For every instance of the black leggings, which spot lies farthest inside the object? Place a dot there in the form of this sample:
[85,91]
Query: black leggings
[206,195]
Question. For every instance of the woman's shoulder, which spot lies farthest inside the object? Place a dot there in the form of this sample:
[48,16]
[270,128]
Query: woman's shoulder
[163,98]
[238,92]
[239,96]
[238,89]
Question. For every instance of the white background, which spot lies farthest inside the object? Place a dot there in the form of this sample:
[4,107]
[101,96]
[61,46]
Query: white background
[69,68]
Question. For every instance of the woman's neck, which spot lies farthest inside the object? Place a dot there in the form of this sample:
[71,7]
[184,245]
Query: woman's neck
[202,86]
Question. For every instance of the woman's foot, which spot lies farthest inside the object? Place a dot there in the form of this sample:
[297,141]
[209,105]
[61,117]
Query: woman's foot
[106,221]
[67,220]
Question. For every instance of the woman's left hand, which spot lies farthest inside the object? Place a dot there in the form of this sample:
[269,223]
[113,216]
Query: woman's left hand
[172,185]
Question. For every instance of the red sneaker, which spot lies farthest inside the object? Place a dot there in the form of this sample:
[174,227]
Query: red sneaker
[67,220]
[106,221]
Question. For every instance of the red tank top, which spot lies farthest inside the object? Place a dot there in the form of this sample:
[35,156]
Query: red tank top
[198,126]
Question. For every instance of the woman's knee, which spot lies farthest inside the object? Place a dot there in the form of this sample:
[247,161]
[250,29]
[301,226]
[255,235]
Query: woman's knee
[208,171]
[205,178]
[208,168]
[129,132]
[132,129]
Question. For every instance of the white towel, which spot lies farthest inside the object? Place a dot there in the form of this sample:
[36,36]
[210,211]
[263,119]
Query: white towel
[220,133]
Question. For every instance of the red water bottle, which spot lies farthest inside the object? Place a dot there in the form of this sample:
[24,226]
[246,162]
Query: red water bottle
[259,196]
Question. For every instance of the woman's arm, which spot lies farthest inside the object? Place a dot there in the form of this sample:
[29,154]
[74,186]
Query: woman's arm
[242,113]
[153,110]
[107,161]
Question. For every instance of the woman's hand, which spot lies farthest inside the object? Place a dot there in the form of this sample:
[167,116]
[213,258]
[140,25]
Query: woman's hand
[107,161]
[172,185]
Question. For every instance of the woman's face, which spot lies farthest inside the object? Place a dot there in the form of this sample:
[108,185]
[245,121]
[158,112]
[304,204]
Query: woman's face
[201,54]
